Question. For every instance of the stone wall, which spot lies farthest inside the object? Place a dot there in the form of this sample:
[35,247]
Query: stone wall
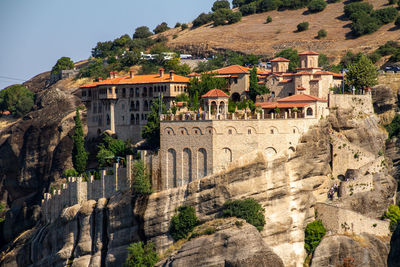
[343,221]
[78,191]
[359,104]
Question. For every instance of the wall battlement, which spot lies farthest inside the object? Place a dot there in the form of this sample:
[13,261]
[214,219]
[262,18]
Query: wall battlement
[77,191]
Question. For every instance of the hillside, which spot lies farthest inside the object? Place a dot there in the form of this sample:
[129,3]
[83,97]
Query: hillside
[252,35]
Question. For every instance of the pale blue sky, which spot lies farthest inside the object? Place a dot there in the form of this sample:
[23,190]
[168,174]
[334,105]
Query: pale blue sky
[35,33]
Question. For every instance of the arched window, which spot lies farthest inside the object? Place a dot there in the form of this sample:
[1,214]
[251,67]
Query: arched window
[171,168]
[144,91]
[131,92]
[137,92]
[151,91]
[187,165]
[273,94]
[137,121]
[123,92]
[137,107]
[132,119]
[202,163]
[132,107]
[108,119]
[309,112]
[146,106]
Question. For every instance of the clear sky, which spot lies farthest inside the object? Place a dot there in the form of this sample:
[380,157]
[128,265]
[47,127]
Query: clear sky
[35,33]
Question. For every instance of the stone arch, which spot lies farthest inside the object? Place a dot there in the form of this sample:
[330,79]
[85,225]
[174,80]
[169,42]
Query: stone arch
[211,130]
[171,168]
[291,151]
[251,130]
[226,156]
[295,130]
[171,131]
[270,152]
[272,130]
[187,166]
[309,112]
[201,163]
[222,107]
[197,131]
[235,97]
[183,131]
[231,130]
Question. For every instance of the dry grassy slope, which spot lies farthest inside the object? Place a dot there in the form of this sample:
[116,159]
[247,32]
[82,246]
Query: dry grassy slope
[251,35]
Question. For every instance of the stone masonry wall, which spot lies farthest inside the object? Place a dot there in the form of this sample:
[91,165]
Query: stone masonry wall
[360,104]
[77,191]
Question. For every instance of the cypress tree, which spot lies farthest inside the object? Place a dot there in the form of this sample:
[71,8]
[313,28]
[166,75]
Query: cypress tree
[79,154]
[255,89]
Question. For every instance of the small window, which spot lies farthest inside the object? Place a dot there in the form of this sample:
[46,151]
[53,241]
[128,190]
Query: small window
[123,118]
[209,131]
[195,132]
[182,132]
[294,130]
[249,131]
[168,132]
[235,80]
[229,131]
[272,131]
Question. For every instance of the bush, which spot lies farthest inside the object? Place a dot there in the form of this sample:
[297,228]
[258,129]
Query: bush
[364,23]
[248,9]
[64,63]
[183,223]
[392,2]
[17,99]
[314,233]
[393,214]
[161,28]
[141,182]
[70,173]
[174,36]
[201,20]
[248,209]
[142,32]
[316,6]
[220,17]
[395,57]
[184,26]
[269,20]
[220,4]
[357,7]
[268,5]
[397,22]
[177,25]
[374,57]
[302,26]
[235,17]
[390,48]
[322,34]
[294,4]
[140,254]
[385,15]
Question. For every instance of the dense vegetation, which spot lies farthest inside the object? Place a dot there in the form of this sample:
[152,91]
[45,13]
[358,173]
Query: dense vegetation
[248,209]
[256,89]
[183,223]
[314,233]
[64,63]
[394,127]
[317,6]
[141,255]
[110,148]
[141,182]
[17,99]
[151,131]
[79,154]
[221,14]
[361,74]
[393,214]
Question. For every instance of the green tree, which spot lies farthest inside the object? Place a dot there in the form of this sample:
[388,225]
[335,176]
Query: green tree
[184,26]
[183,223]
[142,32]
[255,89]
[316,6]
[303,26]
[248,209]
[219,4]
[385,15]
[397,22]
[248,9]
[202,19]
[322,34]
[141,182]
[151,131]
[357,7]
[207,82]
[79,154]
[314,233]
[393,214]
[323,61]
[362,74]
[141,255]
[268,5]
[161,28]
[17,99]
[64,63]
[292,55]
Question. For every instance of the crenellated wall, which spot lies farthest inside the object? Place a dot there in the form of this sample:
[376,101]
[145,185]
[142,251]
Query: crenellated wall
[77,191]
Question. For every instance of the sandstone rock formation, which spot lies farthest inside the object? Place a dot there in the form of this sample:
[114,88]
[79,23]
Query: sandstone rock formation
[232,246]
[364,250]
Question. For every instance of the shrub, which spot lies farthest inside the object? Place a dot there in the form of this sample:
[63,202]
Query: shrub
[221,16]
[374,57]
[352,8]
[183,223]
[17,99]
[322,34]
[201,20]
[177,25]
[235,17]
[248,209]
[267,5]
[269,20]
[184,26]
[393,214]
[314,233]
[364,24]
[70,173]
[294,4]
[248,9]
[140,254]
[220,4]
[385,15]
[316,6]
[302,26]
[174,36]
[141,182]
[392,2]
[397,22]
[142,32]
[161,28]
[395,57]
[390,48]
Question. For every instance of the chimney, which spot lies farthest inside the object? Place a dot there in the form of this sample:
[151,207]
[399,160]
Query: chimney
[171,75]
[115,74]
[111,75]
[161,71]
[131,74]
[100,79]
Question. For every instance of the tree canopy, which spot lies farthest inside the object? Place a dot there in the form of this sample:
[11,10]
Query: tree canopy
[219,4]
[161,28]
[17,99]
[142,32]
[362,74]
[292,55]
[141,255]
[64,63]
[255,89]
[151,131]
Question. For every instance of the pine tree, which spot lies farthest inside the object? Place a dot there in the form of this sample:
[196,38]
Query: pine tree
[79,154]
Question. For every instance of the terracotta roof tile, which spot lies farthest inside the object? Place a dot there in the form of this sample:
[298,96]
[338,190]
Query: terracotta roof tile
[315,80]
[270,105]
[301,98]
[234,69]
[215,93]
[279,59]
[286,81]
[308,53]
[303,73]
[301,88]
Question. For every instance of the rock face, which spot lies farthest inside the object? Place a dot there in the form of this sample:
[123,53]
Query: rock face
[394,254]
[34,151]
[234,246]
[364,250]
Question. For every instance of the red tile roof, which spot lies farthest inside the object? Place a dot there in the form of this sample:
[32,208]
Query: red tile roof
[315,80]
[140,79]
[303,73]
[280,59]
[270,105]
[215,93]
[301,88]
[308,53]
[286,81]
[234,69]
[194,74]
[301,98]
